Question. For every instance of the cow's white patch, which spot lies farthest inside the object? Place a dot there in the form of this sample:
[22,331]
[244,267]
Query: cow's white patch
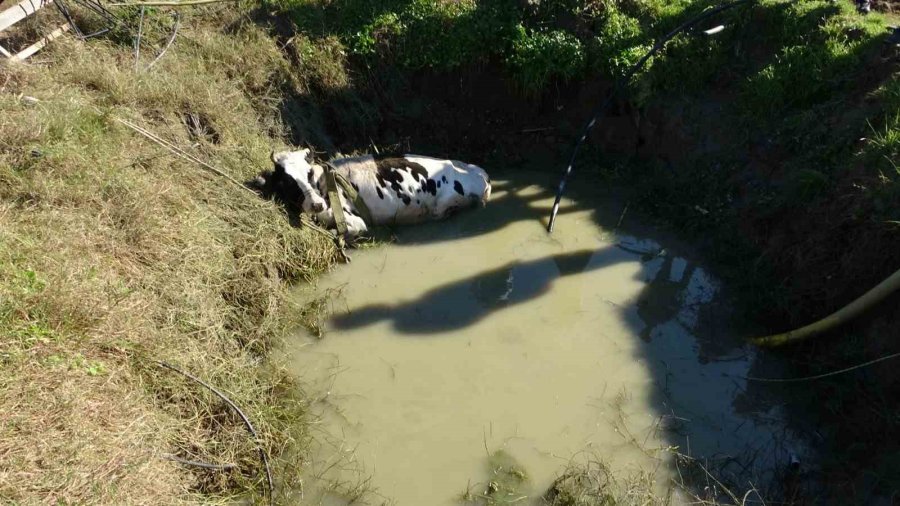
[401,190]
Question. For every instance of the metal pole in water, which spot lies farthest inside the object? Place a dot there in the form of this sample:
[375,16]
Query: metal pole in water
[620,83]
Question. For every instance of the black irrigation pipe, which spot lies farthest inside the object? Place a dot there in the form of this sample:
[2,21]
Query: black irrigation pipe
[64,10]
[619,85]
[263,457]
[97,8]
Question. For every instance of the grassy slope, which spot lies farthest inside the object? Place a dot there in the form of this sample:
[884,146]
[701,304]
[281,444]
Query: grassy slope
[113,253]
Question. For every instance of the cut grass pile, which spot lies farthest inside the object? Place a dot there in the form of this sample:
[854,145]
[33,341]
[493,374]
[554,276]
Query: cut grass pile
[115,253]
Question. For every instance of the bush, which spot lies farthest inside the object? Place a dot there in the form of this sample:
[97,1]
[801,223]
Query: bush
[430,34]
[538,57]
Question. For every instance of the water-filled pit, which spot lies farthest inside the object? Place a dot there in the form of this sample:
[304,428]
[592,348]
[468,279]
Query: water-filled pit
[606,340]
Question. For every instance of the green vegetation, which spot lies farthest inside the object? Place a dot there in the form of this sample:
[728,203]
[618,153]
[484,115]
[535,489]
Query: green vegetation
[821,46]
[816,42]
[506,483]
[538,57]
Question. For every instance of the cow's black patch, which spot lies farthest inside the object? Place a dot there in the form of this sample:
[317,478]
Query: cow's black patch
[378,191]
[280,186]
[396,163]
[458,188]
[417,171]
[444,179]
[431,187]
[438,184]
[406,199]
[417,202]
[386,174]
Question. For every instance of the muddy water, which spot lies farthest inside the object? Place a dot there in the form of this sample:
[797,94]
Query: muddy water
[605,341]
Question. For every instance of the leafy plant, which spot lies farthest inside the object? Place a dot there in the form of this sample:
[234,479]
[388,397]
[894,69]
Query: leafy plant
[539,57]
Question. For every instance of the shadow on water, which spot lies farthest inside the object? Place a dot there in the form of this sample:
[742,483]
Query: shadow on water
[688,338]
[466,301]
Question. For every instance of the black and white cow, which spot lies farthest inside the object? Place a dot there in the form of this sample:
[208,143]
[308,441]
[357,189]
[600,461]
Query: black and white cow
[396,190]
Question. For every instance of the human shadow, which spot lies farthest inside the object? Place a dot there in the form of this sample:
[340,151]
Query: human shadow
[724,425]
[466,301]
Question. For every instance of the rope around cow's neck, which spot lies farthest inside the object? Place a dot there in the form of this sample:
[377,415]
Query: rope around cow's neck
[620,84]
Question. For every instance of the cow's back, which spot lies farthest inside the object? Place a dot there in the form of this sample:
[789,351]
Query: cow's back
[413,188]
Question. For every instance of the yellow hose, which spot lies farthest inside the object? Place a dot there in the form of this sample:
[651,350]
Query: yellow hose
[839,317]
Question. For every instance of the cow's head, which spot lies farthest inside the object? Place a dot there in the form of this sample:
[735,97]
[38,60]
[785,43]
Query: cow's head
[293,179]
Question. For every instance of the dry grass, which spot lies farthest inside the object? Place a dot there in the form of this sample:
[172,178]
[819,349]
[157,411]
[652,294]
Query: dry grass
[589,482]
[114,252]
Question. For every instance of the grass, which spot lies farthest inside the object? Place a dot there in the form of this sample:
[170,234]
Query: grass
[587,481]
[506,483]
[115,253]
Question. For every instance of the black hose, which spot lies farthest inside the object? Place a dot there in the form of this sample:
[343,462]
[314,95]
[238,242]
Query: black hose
[619,84]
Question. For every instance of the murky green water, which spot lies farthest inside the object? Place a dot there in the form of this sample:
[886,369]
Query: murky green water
[606,340]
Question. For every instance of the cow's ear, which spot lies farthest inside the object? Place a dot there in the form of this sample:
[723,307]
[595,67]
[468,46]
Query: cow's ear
[278,167]
[278,157]
[318,173]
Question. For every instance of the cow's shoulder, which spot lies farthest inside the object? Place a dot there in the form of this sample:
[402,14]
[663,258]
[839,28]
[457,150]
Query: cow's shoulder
[351,164]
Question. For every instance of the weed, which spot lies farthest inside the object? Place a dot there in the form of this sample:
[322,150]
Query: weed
[506,482]
[537,58]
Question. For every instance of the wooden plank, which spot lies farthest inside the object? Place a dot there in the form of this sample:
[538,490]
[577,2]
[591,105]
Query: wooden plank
[37,46]
[20,11]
